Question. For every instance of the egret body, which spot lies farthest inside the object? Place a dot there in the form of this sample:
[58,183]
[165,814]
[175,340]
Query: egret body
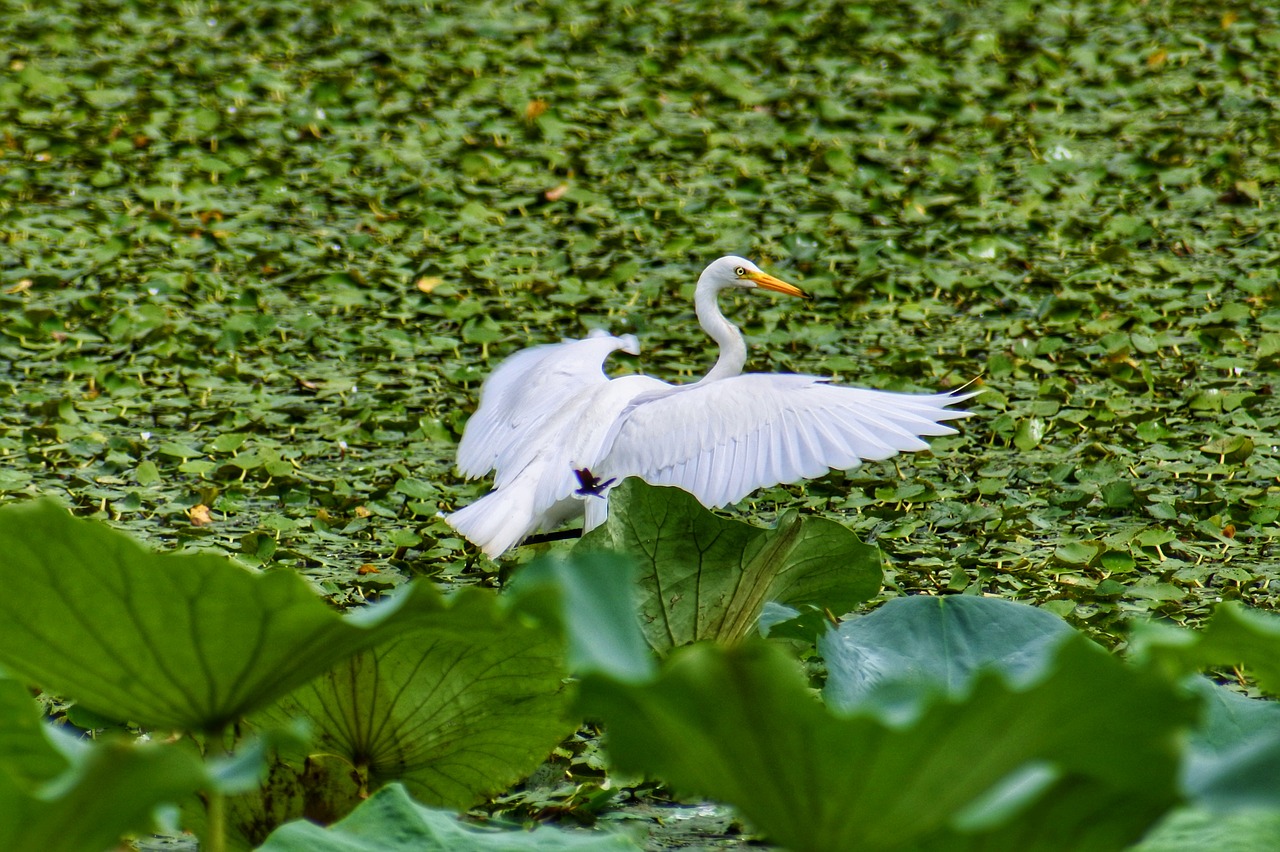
[550,410]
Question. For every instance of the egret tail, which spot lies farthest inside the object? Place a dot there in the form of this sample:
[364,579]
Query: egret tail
[497,521]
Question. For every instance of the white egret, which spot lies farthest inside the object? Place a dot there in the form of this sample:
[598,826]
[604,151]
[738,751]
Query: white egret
[550,410]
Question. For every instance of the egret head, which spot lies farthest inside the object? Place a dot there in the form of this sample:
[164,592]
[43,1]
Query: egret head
[734,271]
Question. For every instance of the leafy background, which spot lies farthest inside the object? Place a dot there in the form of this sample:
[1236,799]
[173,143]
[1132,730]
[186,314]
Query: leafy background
[257,256]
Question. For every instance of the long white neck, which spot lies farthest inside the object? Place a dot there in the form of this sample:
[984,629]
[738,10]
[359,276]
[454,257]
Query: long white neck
[733,349]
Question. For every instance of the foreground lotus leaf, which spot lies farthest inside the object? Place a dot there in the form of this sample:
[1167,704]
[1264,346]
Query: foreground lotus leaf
[455,711]
[1233,756]
[1198,830]
[703,576]
[62,795]
[589,596]
[390,821]
[1235,635]
[185,641]
[915,647]
[740,725]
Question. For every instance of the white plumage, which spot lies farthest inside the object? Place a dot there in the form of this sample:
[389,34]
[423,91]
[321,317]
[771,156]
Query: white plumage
[549,410]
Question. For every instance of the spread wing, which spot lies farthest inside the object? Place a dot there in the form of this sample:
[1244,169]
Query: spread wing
[724,439]
[525,392]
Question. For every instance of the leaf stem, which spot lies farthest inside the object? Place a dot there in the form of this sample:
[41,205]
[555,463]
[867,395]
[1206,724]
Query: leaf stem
[216,821]
[215,806]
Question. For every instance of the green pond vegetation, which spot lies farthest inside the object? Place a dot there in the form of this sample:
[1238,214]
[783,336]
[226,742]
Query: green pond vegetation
[256,258]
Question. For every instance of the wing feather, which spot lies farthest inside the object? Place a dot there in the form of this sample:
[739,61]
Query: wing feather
[721,440]
[535,485]
[745,472]
[735,466]
[526,391]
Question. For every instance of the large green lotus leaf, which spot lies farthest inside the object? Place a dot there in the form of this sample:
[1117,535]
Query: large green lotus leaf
[589,596]
[1043,810]
[1198,830]
[28,754]
[50,778]
[456,711]
[707,577]
[740,725]
[912,647]
[1235,635]
[1233,757]
[188,641]
[110,789]
[391,821]
[57,793]
[911,650]
[323,790]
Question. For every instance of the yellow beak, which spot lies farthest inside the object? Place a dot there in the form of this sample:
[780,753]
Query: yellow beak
[765,281]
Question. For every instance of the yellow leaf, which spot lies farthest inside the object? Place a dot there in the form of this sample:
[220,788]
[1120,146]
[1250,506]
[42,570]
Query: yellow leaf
[534,108]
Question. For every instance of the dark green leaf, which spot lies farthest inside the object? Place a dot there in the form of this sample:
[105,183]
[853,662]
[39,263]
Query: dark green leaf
[707,577]
[740,725]
[1233,759]
[165,640]
[589,594]
[459,709]
[112,789]
[1235,635]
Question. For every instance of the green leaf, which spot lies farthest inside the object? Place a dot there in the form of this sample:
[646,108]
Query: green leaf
[1199,830]
[109,98]
[778,621]
[456,710]
[147,473]
[198,466]
[1233,757]
[111,793]
[176,450]
[27,755]
[589,595]
[390,821]
[1118,494]
[740,725]
[228,442]
[839,161]
[1118,561]
[205,120]
[1235,635]
[1155,538]
[1060,812]
[244,769]
[1232,448]
[1269,345]
[417,489]
[1029,434]
[914,647]
[1078,552]
[187,641]
[58,793]
[707,577]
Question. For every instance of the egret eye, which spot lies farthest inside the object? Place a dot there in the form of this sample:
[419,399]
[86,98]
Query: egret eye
[740,272]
